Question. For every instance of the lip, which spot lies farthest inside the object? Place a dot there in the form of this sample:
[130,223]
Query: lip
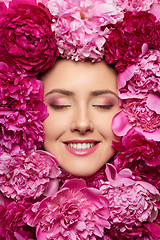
[82,152]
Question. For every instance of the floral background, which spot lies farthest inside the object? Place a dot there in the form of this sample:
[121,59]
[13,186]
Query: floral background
[38,199]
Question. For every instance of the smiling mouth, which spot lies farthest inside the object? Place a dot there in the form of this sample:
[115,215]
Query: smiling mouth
[81,145]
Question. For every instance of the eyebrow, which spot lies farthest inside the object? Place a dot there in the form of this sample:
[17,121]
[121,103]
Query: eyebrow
[61,91]
[102,92]
[69,93]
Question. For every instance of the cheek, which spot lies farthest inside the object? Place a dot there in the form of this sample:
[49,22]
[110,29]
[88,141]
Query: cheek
[54,126]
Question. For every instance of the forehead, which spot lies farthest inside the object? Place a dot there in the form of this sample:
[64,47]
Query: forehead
[71,75]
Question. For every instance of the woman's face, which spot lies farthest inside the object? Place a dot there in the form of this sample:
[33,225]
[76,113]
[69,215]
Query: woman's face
[81,100]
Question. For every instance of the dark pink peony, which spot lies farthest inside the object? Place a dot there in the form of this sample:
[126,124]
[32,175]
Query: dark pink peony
[125,42]
[131,202]
[91,181]
[27,35]
[140,233]
[24,177]
[141,78]
[75,212]
[19,91]
[12,226]
[140,155]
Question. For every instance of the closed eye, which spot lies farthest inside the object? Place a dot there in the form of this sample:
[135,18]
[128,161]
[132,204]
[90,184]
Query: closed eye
[108,106]
[56,107]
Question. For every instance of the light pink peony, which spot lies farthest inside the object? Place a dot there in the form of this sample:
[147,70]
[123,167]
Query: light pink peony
[131,202]
[25,177]
[142,78]
[75,212]
[134,5]
[80,27]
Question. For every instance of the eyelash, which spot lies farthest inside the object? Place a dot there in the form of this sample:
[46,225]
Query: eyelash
[59,106]
[56,107]
[109,106]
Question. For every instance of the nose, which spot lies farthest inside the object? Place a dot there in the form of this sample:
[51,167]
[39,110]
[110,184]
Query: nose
[82,121]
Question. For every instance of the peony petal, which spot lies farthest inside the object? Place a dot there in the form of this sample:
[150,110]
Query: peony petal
[52,187]
[155,9]
[153,102]
[155,135]
[111,172]
[153,228]
[120,123]
[125,76]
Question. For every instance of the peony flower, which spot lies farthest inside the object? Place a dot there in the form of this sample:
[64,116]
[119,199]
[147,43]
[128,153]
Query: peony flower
[20,130]
[28,176]
[140,155]
[130,202]
[27,36]
[19,91]
[12,225]
[134,5]
[140,233]
[126,41]
[142,78]
[142,115]
[91,181]
[75,212]
[80,27]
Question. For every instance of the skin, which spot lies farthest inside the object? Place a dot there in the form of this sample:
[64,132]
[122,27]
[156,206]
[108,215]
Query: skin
[82,99]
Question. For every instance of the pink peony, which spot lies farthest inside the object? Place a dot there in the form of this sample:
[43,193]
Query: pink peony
[131,202]
[27,35]
[140,233]
[134,5]
[75,212]
[28,176]
[91,181]
[140,155]
[80,27]
[141,115]
[142,78]
[20,130]
[125,42]
[12,225]
[19,91]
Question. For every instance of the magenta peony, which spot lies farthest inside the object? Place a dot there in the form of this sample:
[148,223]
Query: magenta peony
[142,78]
[27,35]
[130,202]
[12,226]
[80,27]
[125,42]
[75,212]
[25,177]
[140,155]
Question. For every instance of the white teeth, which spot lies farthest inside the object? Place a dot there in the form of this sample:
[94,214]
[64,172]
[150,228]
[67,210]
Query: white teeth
[81,145]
